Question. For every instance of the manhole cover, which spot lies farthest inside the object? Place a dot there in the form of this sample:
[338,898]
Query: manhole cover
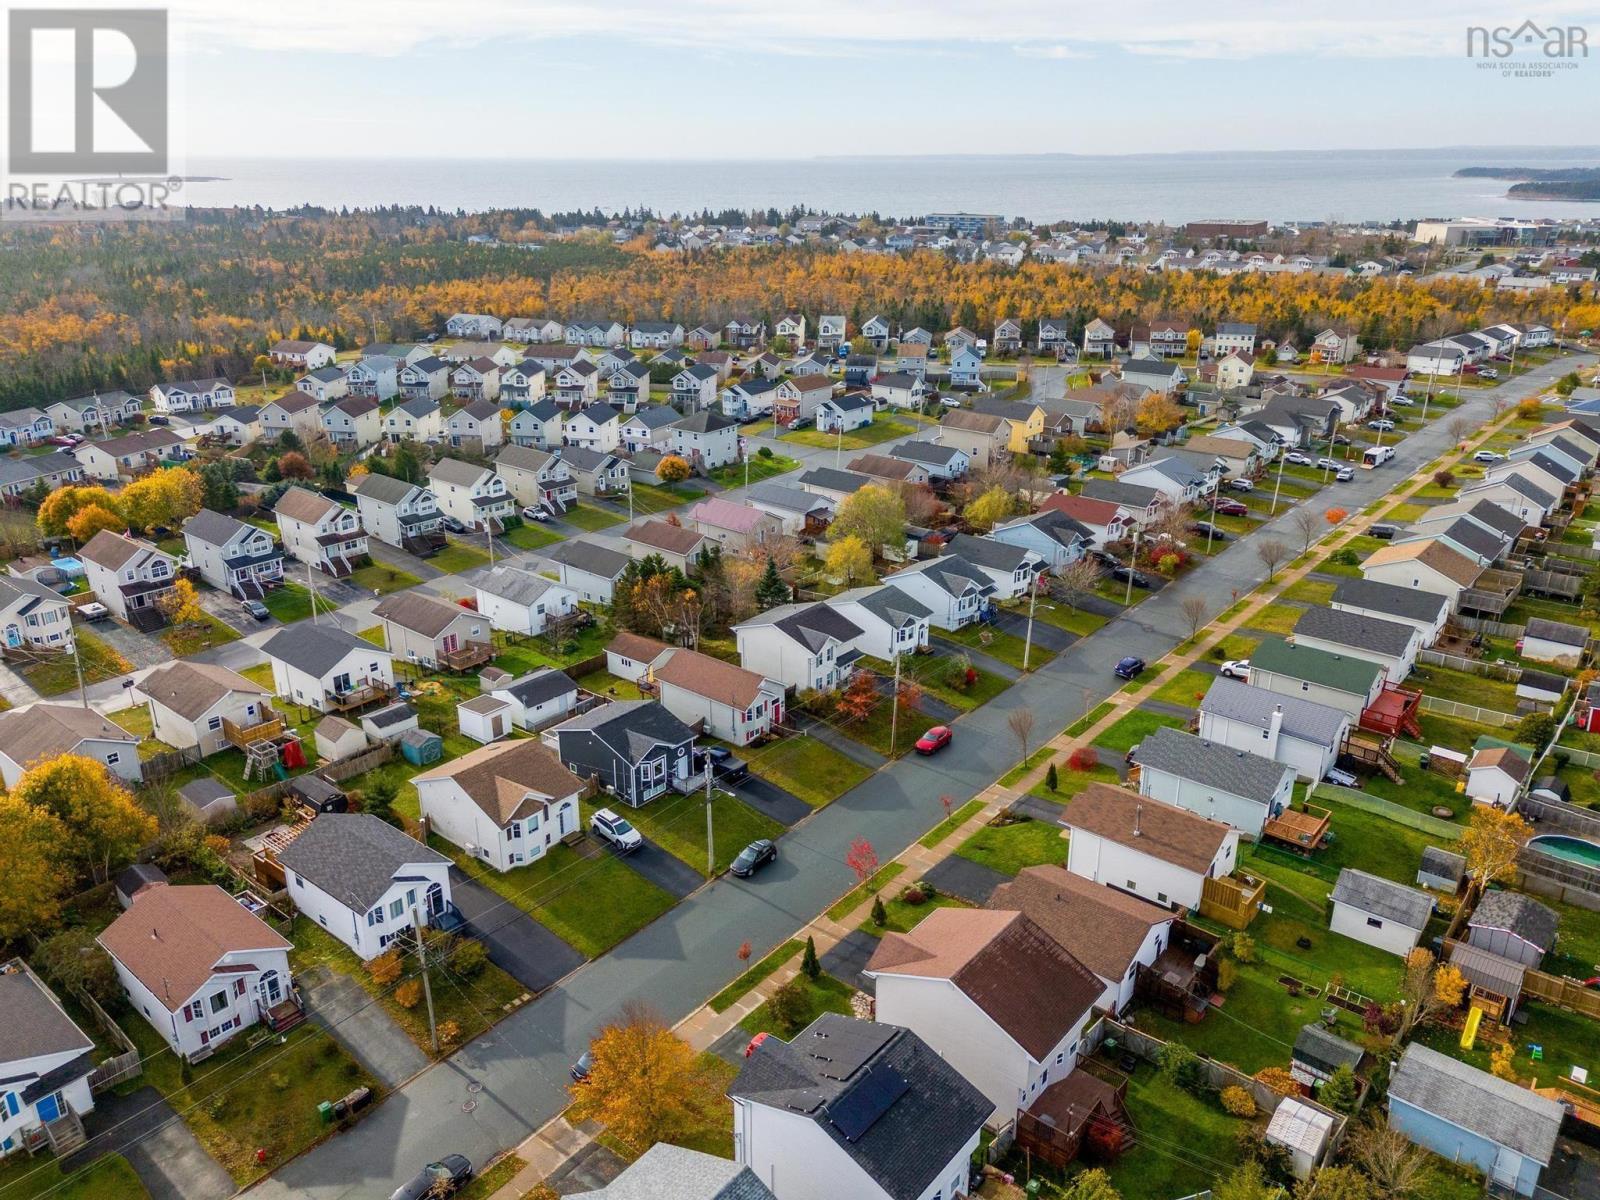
[474,1087]
[468,1105]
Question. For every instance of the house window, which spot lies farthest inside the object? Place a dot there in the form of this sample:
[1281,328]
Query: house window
[396,907]
[1161,896]
[214,724]
[1132,886]
[219,1001]
[113,759]
[1374,923]
[375,917]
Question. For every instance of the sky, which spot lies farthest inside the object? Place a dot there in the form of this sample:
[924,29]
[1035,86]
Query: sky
[755,79]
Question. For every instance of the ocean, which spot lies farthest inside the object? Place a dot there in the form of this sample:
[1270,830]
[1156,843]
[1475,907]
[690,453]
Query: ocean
[1340,185]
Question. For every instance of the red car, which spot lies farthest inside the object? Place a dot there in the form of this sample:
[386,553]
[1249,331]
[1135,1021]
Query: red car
[934,740]
[1232,508]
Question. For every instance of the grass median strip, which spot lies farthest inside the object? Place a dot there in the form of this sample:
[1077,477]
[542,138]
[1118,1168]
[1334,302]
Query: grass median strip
[950,824]
[752,978]
[860,894]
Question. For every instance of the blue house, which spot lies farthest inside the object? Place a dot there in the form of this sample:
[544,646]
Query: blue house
[1469,1116]
[853,410]
[965,368]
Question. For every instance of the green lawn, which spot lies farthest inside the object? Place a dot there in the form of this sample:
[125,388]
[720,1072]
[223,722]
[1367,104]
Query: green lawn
[259,673]
[603,683]
[1036,759]
[761,467]
[1465,688]
[1451,733]
[376,577]
[136,720]
[950,824]
[808,767]
[530,536]
[1073,620]
[292,602]
[1276,618]
[1196,1140]
[770,965]
[58,674]
[528,654]
[861,893]
[1567,1040]
[1235,645]
[192,637]
[883,428]
[944,677]
[1009,848]
[649,498]
[587,516]
[486,1183]
[1185,688]
[109,1178]
[902,916]
[1577,949]
[1422,790]
[678,825]
[247,1098]
[560,891]
[822,995]
[1132,729]
[458,556]
[1006,647]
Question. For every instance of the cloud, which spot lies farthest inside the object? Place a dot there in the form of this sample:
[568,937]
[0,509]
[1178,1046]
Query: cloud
[1223,29]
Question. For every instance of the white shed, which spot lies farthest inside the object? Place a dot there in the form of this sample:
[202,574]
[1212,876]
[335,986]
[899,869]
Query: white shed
[1301,1130]
[484,718]
[1379,911]
[337,738]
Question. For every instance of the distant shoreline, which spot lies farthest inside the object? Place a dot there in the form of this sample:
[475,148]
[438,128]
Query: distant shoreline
[1535,183]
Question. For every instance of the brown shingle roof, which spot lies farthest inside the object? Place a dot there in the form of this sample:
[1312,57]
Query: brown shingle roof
[882,467]
[1099,926]
[711,678]
[190,689]
[635,646]
[674,539]
[298,504]
[974,422]
[1507,759]
[1431,552]
[499,778]
[1005,964]
[1162,831]
[46,730]
[171,938]
[112,550]
[418,612]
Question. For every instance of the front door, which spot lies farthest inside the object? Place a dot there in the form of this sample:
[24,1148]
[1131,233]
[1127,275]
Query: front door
[50,1107]
[270,987]
[449,643]
[435,900]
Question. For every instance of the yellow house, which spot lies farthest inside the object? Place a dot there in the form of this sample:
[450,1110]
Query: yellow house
[1025,418]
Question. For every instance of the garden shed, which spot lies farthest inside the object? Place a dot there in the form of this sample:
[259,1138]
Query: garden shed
[419,747]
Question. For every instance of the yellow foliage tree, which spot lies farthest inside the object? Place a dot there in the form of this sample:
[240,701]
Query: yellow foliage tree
[989,509]
[1449,985]
[89,521]
[672,469]
[850,560]
[181,605]
[104,825]
[1502,1061]
[31,847]
[59,507]
[874,514]
[385,969]
[644,1085]
[1491,844]
[169,496]
[1156,414]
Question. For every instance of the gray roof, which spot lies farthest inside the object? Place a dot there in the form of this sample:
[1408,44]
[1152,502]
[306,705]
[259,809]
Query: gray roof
[888,604]
[783,496]
[581,458]
[931,454]
[1342,628]
[631,727]
[315,649]
[812,625]
[705,421]
[1373,596]
[1383,898]
[1526,488]
[385,489]
[1129,494]
[835,480]
[1467,533]
[1212,765]
[1550,466]
[1442,863]
[354,857]
[35,1023]
[1319,1048]
[654,416]
[1303,720]
[1560,632]
[212,527]
[1498,1110]
[510,583]
[454,470]
[668,1172]
[918,1111]
[587,556]
[985,552]
[950,571]
[1484,968]
[539,686]
[1520,915]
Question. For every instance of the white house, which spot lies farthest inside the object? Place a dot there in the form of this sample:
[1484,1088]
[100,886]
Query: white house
[588,569]
[1426,564]
[892,622]
[1339,681]
[598,427]
[419,420]
[1300,734]
[25,427]
[353,423]
[323,667]
[377,377]
[1213,780]
[995,996]
[842,414]
[1379,911]
[472,495]
[476,379]
[130,576]
[649,427]
[33,615]
[47,1062]
[522,385]
[232,556]
[1496,775]
[537,478]
[1139,845]
[706,440]
[398,513]
[538,426]
[92,414]
[695,388]
[421,629]
[302,355]
[477,426]
[320,531]
[809,647]
[518,600]
[630,655]
[425,379]
[538,699]
[1009,567]
[723,700]
[916,1121]
[1426,612]
[199,966]
[294,412]
[474,325]
[676,545]
[953,590]
[734,526]
[42,731]
[1392,645]
[192,704]
[193,395]
[364,881]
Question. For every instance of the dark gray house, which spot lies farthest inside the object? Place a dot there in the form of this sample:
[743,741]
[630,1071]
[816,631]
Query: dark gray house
[635,750]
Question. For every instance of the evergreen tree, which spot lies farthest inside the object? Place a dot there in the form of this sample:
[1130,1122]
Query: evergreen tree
[1050,777]
[809,966]
[880,916]
[771,591]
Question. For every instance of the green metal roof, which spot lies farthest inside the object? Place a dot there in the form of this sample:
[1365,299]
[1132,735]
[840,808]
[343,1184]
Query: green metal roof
[1338,671]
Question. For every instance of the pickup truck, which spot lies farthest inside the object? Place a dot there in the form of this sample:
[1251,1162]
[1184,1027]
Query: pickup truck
[724,765]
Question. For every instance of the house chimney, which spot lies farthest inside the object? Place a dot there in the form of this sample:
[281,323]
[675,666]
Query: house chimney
[1138,814]
[1276,725]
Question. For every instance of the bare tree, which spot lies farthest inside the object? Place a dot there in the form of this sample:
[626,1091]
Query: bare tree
[1273,554]
[1458,429]
[1307,524]
[1392,1162]
[1194,612]
[1021,723]
[1076,580]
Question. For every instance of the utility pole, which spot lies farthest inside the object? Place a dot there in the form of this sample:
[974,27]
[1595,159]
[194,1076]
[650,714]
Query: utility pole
[894,702]
[312,588]
[427,988]
[1033,600]
[711,844]
[838,450]
[1133,558]
[83,695]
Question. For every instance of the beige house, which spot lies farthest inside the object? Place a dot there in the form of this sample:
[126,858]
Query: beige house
[320,531]
[419,629]
[201,704]
[983,438]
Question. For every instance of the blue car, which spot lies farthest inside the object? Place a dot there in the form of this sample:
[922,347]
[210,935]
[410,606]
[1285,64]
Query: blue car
[1129,667]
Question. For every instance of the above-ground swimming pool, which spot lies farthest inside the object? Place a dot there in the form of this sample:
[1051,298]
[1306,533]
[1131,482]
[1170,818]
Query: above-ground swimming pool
[1577,850]
[70,567]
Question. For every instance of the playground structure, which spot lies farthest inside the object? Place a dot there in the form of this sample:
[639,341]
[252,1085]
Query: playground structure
[271,746]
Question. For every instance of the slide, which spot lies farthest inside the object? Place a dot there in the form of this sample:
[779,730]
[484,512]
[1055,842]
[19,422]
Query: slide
[1469,1032]
[282,772]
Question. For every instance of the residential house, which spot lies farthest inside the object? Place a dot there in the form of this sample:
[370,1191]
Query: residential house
[522,384]
[861,369]
[320,531]
[1464,1115]
[25,427]
[751,397]
[878,331]
[966,368]
[1182,479]
[1496,773]
[681,1174]
[1393,645]
[1426,564]
[477,379]
[472,495]
[47,1065]
[597,427]
[883,469]
[193,395]
[630,655]
[206,707]
[831,484]
[1213,779]
[1340,681]
[537,478]
[993,994]
[41,731]
[808,647]
[237,426]
[401,514]
[301,355]
[130,576]
[588,569]
[1099,339]
[717,698]
[1024,419]
[649,427]
[900,389]
[376,377]
[892,622]
[353,423]
[517,600]
[1055,537]
[326,668]
[538,426]
[538,699]
[1159,339]
[1540,469]
[942,463]
[474,325]
[425,379]
[955,592]
[1007,337]
[910,1126]
[1332,346]
[1234,335]
[832,331]
[955,339]
[199,966]
[365,881]
[1144,847]
[1100,522]
[629,386]
[655,335]
[419,420]
[33,617]
[793,327]
[1055,337]
[533,329]
[476,427]
[596,333]
[1436,358]
[1239,458]
[324,385]
[1378,911]
[1110,932]
[420,629]
[294,412]
[983,438]
[1010,567]
[695,388]
[734,526]
[596,473]
[843,414]
[504,804]
[677,545]
[1302,735]
[1141,504]
[745,332]
[1427,612]
[232,556]
[1156,374]
[796,398]
[1519,496]
[707,440]
[1497,530]
[93,414]
[634,749]
[799,512]
[119,458]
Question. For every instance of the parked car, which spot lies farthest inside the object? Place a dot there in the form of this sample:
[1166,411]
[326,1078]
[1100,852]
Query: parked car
[1383,531]
[934,740]
[1237,668]
[1296,459]
[1381,424]
[438,1179]
[158,419]
[1327,464]
[615,831]
[453,525]
[753,857]
[1345,474]
[1401,402]
[1206,529]
[1241,485]
[257,610]
[1125,574]
[1488,456]
[1129,667]
[1104,559]
[724,765]
[580,1070]
[1231,508]
[534,513]
[1488,373]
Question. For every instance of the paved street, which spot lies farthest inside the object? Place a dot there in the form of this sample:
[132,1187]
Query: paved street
[678,961]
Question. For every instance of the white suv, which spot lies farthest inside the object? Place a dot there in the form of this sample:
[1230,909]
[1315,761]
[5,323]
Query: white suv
[615,831]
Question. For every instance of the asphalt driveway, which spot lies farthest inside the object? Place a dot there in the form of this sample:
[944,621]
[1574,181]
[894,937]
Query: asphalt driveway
[531,954]
[144,1129]
[341,1006]
[141,649]
[767,797]
[965,879]
[666,871]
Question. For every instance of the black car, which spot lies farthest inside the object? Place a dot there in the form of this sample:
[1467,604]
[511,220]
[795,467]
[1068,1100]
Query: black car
[158,419]
[1101,557]
[1129,667]
[257,610]
[724,765]
[753,857]
[1122,574]
[1207,529]
[443,1178]
[1384,532]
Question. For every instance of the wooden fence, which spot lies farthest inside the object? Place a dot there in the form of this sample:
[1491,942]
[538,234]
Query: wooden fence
[1472,666]
[1553,583]
[168,763]
[124,1065]
[347,768]
[1564,993]
[1484,625]
[1468,712]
